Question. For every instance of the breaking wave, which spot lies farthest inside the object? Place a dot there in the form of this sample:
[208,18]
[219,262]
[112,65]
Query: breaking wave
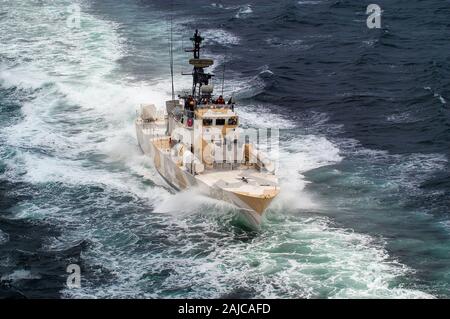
[76,143]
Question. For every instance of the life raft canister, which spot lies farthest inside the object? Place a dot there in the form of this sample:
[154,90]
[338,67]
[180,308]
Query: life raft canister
[190,122]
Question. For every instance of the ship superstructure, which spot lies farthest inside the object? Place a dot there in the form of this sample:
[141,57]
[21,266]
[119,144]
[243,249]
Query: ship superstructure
[197,142]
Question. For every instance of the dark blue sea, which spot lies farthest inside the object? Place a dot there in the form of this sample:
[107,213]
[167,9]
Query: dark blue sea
[364,122]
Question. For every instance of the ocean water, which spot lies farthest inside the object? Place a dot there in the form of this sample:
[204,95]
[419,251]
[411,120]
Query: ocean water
[364,139]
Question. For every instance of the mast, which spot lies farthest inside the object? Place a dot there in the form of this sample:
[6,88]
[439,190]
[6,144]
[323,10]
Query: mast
[223,71]
[171,56]
[199,77]
[197,39]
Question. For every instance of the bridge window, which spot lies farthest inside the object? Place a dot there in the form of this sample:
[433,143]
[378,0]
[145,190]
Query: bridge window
[232,121]
[207,122]
[220,121]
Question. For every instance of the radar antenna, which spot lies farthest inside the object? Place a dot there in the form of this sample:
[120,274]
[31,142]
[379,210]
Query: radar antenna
[200,78]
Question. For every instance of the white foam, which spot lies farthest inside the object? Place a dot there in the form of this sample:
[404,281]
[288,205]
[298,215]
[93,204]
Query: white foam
[22,77]
[73,117]
[297,156]
[297,44]
[217,5]
[405,171]
[313,260]
[404,117]
[309,2]
[436,95]
[260,116]
[4,237]
[220,37]
[248,87]
[18,275]
[370,43]
[244,11]
[190,202]
[56,170]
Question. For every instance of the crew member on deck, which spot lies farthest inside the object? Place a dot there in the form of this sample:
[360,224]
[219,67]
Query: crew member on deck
[191,103]
[220,100]
[186,102]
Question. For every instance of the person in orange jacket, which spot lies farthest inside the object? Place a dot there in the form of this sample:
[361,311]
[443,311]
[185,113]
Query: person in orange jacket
[220,100]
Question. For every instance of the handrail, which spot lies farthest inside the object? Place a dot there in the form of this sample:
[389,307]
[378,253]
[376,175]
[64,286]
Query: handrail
[215,106]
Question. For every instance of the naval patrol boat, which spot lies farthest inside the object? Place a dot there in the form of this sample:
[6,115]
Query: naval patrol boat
[196,141]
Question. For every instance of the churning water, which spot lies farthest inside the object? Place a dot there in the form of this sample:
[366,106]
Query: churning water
[364,127]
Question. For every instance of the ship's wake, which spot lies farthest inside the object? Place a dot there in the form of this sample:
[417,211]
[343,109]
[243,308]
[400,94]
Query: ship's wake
[75,142]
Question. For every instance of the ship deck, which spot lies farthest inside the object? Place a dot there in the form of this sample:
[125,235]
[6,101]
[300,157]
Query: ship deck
[245,180]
